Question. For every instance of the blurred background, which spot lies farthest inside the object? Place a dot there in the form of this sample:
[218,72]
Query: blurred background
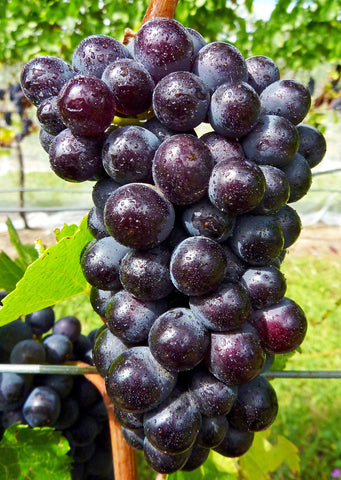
[304,39]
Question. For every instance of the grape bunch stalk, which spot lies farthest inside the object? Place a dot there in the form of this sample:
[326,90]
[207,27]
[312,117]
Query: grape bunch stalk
[189,233]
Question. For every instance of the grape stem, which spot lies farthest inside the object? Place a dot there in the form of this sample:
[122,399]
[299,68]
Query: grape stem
[160,8]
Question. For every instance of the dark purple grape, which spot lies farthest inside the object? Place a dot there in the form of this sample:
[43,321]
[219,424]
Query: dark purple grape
[42,407]
[236,186]
[62,384]
[236,357]
[163,462]
[128,419]
[178,340]
[277,190]
[28,352]
[173,426]
[99,300]
[212,431]
[82,432]
[69,413]
[290,223]
[145,274]
[203,218]
[11,417]
[76,159]
[13,391]
[197,265]
[131,85]
[256,406]
[82,349]
[85,393]
[262,71]
[95,52]
[257,239]
[312,144]
[100,262]
[43,77]
[299,175]
[137,382]
[235,267]
[48,116]
[95,223]
[86,105]
[197,458]
[106,349]
[139,216]
[226,308]
[286,98]
[10,335]
[181,101]
[69,326]
[82,454]
[45,140]
[273,141]
[235,443]
[281,327]
[197,39]
[134,438]
[234,109]
[213,398]
[163,46]
[181,169]
[161,131]
[130,319]
[218,62]
[58,348]
[102,191]
[40,321]
[222,148]
[128,154]
[265,285]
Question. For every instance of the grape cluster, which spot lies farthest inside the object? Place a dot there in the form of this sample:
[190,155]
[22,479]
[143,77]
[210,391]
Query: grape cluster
[70,404]
[189,233]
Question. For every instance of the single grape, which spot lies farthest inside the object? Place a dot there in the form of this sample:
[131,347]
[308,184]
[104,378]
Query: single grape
[95,223]
[234,109]
[265,285]
[134,438]
[28,352]
[48,116]
[181,169]
[106,349]
[161,131]
[197,265]
[62,384]
[69,413]
[58,348]
[212,431]
[86,105]
[82,432]
[197,458]
[312,144]
[40,321]
[262,71]
[43,77]
[45,140]
[128,154]
[163,462]
[139,216]
[102,190]
[99,300]
[277,190]
[13,391]
[290,223]
[178,340]
[217,63]
[11,417]
[42,407]
[235,267]
[222,148]
[235,443]
[128,419]
[85,393]
[299,175]
[69,326]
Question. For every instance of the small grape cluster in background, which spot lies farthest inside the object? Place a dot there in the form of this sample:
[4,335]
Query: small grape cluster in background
[70,404]
[189,233]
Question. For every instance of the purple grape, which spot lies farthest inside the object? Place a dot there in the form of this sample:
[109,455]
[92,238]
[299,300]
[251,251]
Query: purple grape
[42,407]
[95,223]
[290,223]
[181,101]
[262,71]
[100,263]
[139,216]
[236,186]
[178,340]
[286,98]
[106,349]
[40,321]
[131,85]
[257,239]
[45,140]
[203,218]
[225,309]
[128,154]
[69,326]
[281,327]
[234,109]
[163,46]
[28,352]
[212,431]
[145,274]
[197,458]
[99,300]
[95,52]
[69,413]
[134,438]
[137,382]
[62,384]
[43,77]
[82,432]
[58,348]
[235,443]
[128,419]
[197,265]
[218,62]
[163,462]
[13,391]
[86,105]
[11,417]
[265,285]
[312,144]
[235,267]
[197,39]
[277,190]
[161,131]
[102,191]
[48,116]
[181,169]
[82,349]
[236,357]
[74,158]
[299,175]
[222,148]
[273,141]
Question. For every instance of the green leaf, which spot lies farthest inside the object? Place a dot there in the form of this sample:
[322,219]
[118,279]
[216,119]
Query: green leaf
[27,253]
[66,231]
[10,272]
[34,454]
[55,276]
[216,467]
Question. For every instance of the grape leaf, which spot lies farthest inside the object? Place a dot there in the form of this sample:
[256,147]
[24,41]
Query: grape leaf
[27,253]
[34,454]
[10,272]
[55,276]
[66,231]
